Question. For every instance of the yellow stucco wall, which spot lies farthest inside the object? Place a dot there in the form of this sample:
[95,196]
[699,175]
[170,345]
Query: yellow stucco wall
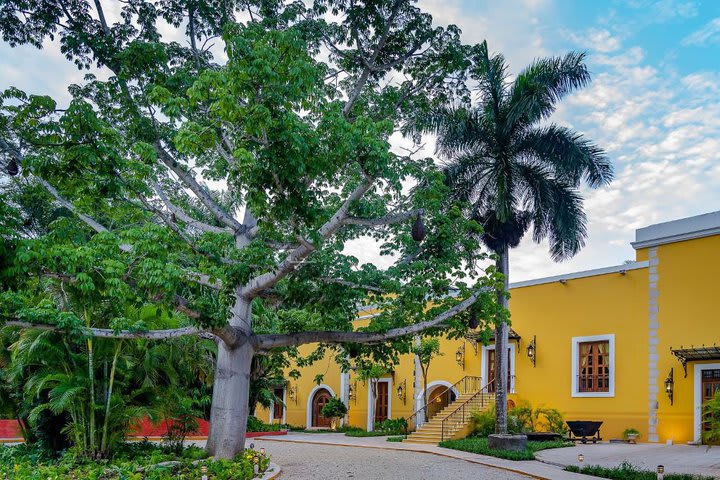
[688,316]
[554,312]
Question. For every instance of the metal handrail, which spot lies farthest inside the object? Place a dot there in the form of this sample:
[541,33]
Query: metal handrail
[468,379]
[461,408]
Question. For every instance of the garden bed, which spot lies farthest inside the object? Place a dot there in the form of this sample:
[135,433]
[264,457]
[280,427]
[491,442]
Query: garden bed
[627,471]
[137,461]
[480,445]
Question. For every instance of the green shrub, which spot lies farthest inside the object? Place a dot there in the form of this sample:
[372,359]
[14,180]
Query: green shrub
[554,420]
[480,445]
[131,461]
[711,415]
[254,424]
[396,439]
[630,431]
[626,471]
[483,422]
[521,419]
[392,426]
[335,408]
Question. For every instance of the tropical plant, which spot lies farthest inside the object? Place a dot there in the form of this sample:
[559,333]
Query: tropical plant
[711,419]
[425,351]
[214,188]
[484,422]
[518,171]
[334,409]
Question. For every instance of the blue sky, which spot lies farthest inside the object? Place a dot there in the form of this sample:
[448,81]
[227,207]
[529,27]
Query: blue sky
[654,103]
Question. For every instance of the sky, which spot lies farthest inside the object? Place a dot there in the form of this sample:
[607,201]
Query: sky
[653,104]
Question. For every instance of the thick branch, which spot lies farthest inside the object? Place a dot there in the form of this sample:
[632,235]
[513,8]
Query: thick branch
[182,215]
[386,220]
[265,342]
[121,334]
[350,284]
[267,280]
[198,190]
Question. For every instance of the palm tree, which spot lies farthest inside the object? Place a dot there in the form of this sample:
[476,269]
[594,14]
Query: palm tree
[516,170]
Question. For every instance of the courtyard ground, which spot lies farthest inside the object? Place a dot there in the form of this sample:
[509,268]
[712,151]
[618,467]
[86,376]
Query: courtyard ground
[701,459]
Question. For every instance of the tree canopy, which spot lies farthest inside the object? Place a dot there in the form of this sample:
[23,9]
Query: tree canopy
[222,186]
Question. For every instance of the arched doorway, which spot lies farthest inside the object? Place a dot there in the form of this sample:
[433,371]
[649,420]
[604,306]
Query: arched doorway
[439,397]
[320,399]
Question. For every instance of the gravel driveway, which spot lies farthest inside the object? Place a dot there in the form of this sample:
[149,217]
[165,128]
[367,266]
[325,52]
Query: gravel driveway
[320,462]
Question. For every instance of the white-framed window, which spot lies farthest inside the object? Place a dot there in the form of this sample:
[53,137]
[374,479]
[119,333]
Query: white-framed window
[488,366]
[593,366]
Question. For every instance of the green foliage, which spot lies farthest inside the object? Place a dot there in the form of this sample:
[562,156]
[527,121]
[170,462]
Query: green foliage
[630,431]
[392,426]
[627,471]
[137,461]
[480,445]
[334,408]
[254,424]
[521,419]
[711,419]
[395,439]
[484,422]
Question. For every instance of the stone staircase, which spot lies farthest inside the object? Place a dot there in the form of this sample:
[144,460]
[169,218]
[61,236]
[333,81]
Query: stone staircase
[453,421]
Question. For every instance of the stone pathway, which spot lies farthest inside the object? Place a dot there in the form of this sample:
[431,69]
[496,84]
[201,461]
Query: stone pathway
[335,456]
[675,458]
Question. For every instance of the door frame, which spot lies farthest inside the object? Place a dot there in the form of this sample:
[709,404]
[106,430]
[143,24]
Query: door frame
[485,376]
[371,403]
[272,407]
[697,388]
[311,396]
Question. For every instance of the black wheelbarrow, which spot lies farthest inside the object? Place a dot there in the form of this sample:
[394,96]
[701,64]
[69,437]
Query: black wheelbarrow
[584,431]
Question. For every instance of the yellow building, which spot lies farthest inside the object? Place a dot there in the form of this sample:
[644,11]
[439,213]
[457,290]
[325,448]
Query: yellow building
[632,345]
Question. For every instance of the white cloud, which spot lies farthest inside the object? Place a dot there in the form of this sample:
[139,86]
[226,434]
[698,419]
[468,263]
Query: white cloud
[594,39]
[708,34]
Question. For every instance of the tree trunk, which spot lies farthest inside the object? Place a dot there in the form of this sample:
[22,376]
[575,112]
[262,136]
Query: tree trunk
[417,384]
[231,391]
[501,350]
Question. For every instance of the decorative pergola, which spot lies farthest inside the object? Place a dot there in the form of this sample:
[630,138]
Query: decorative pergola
[692,354]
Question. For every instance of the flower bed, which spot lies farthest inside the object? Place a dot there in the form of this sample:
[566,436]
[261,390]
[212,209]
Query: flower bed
[480,445]
[136,461]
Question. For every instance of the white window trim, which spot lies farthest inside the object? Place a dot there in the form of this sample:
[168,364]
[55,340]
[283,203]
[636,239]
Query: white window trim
[371,403]
[486,364]
[272,408]
[697,403]
[575,362]
[308,418]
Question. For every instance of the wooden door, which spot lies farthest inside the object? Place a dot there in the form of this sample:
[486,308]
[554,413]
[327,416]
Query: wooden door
[491,370]
[381,402]
[710,386]
[277,406]
[321,398]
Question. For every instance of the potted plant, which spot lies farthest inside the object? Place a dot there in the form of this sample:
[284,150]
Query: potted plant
[631,435]
[334,410]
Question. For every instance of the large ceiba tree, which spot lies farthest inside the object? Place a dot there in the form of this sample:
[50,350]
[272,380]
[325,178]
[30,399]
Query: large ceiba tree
[226,190]
[517,171]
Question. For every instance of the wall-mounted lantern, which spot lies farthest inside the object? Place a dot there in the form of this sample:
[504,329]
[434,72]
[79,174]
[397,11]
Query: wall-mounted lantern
[352,392]
[292,393]
[460,355]
[402,391]
[532,351]
[670,386]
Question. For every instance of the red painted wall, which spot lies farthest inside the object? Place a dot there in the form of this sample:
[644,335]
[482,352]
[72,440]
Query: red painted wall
[10,430]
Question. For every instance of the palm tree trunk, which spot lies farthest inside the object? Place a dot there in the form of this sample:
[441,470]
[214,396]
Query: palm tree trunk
[103,444]
[501,349]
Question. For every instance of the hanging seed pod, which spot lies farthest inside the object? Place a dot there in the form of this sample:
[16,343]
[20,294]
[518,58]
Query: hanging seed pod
[473,322]
[418,230]
[13,168]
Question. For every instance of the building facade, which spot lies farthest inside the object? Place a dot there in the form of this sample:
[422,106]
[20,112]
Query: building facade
[633,346]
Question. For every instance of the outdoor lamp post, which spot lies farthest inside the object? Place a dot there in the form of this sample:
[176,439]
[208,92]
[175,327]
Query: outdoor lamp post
[670,386]
[256,464]
[660,472]
[532,351]
[262,451]
[203,470]
[581,458]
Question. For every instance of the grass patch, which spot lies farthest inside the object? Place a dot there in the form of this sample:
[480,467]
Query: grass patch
[626,471]
[480,445]
[396,439]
